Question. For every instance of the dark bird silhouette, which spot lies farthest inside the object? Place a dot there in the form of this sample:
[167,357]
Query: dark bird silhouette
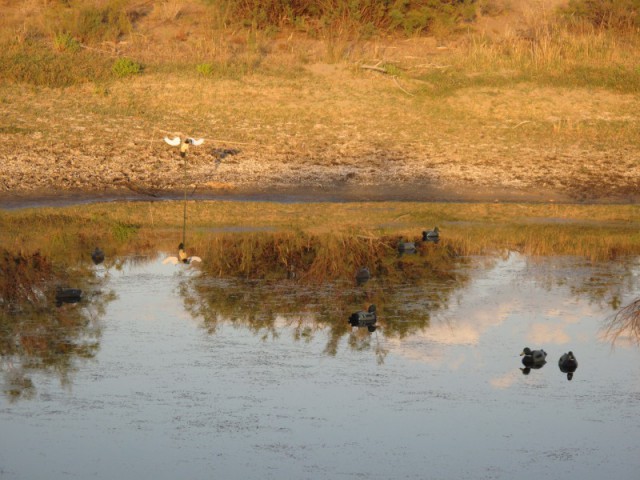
[363,275]
[221,153]
[365,319]
[406,247]
[97,256]
[431,235]
[568,364]
[68,295]
[532,359]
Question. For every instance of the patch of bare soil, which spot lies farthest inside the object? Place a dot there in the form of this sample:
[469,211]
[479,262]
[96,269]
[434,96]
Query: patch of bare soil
[316,130]
[348,151]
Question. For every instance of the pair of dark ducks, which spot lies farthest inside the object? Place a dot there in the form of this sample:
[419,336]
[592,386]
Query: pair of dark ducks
[537,358]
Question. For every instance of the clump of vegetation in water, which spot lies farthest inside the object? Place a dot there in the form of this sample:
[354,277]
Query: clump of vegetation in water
[317,258]
[24,279]
[36,333]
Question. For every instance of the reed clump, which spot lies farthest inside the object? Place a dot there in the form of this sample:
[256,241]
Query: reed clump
[315,258]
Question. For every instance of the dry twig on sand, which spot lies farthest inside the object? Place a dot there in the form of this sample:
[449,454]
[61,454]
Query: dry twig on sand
[395,79]
[375,68]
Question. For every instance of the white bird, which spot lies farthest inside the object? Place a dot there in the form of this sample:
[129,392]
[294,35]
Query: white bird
[184,144]
[174,142]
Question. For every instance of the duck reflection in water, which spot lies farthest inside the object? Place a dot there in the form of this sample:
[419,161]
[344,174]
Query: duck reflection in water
[532,359]
[67,295]
[406,247]
[364,319]
[363,276]
[97,256]
[182,257]
[568,364]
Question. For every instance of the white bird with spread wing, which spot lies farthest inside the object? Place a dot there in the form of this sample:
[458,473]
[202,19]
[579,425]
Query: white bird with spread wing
[184,144]
[176,260]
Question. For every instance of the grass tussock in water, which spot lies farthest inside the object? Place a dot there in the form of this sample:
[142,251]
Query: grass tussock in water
[24,279]
[315,257]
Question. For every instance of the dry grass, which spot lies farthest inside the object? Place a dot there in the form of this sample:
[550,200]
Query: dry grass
[538,107]
[311,237]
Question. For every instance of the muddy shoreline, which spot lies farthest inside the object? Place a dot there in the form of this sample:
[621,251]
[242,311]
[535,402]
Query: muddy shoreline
[307,194]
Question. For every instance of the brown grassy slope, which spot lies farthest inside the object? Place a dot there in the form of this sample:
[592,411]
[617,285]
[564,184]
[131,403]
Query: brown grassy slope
[462,113]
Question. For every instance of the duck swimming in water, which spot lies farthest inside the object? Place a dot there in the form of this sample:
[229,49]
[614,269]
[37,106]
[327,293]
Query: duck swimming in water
[532,359]
[431,235]
[406,247]
[568,364]
[365,319]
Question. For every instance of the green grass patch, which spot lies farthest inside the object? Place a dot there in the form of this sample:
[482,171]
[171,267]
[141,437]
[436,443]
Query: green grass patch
[125,67]
[65,42]
[124,231]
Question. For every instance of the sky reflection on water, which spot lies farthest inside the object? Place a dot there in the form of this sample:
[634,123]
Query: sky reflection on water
[165,398]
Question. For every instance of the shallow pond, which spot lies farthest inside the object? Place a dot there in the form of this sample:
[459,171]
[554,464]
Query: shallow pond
[204,378]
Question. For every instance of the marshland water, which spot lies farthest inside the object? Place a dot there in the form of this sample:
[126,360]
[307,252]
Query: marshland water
[191,371]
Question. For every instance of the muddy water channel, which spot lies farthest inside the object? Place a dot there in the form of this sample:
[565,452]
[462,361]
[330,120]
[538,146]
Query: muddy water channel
[164,372]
